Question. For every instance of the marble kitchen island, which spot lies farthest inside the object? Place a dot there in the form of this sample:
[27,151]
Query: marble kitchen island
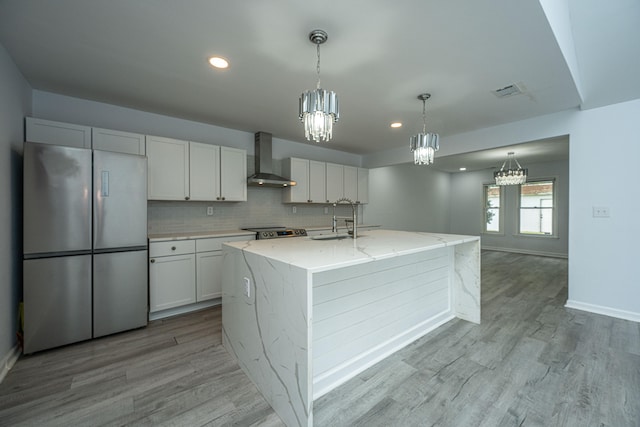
[302,316]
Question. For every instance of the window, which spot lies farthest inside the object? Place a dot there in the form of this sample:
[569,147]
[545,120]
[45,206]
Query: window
[492,204]
[537,203]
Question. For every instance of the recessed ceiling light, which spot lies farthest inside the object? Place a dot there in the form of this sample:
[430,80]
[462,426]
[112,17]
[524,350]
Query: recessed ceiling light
[463,169]
[396,125]
[218,62]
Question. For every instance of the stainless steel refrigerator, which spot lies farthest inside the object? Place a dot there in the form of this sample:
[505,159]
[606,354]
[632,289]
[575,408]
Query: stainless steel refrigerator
[85,244]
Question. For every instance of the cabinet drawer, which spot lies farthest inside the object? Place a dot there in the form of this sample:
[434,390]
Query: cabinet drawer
[175,247]
[215,243]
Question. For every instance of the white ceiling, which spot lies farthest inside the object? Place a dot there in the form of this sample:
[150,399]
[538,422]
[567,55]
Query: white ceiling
[551,149]
[152,55]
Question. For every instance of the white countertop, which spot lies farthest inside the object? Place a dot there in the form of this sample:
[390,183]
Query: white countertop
[320,255]
[163,237]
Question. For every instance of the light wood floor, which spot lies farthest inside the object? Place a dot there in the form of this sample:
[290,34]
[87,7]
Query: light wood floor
[530,363]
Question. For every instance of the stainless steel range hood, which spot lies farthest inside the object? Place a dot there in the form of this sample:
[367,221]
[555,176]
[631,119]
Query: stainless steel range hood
[264,176]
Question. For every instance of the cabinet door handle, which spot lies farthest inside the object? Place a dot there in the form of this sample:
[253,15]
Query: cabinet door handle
[217,198]
[224,198]
[152,261]
[309,201]
[186,198]
[173,248]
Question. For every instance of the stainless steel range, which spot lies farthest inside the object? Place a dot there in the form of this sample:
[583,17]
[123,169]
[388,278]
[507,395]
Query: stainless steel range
[276,232]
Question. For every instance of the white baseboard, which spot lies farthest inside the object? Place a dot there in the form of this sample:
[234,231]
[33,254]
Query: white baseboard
[607,311]
[525,252]
[184,309]
[8,361]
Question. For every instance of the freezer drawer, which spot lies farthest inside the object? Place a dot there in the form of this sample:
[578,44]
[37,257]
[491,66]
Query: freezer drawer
[57,301]
[120,290]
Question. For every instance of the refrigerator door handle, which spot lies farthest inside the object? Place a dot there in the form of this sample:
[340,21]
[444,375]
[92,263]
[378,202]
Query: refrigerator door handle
[105,183]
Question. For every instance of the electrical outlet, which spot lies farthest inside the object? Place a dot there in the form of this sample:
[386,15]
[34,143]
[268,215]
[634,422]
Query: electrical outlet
[247,287]
[326,210]
[209,210]
[601,212]
[294,209]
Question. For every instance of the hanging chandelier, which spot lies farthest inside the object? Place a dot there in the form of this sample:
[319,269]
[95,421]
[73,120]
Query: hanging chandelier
[424,145]
[510,176]
[319,107]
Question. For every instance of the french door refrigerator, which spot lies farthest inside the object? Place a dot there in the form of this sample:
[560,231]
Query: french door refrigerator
[85,244]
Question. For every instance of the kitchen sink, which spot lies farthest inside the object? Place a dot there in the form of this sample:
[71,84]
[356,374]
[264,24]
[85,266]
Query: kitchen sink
[332,236]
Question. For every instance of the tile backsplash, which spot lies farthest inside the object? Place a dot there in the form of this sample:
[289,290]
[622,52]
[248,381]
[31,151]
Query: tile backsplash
[263,208]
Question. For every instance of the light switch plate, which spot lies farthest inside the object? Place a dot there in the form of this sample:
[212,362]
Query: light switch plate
[247,287]
[601,212]
[209,210]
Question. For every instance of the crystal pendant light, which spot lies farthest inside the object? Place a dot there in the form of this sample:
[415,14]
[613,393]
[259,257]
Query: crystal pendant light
[424,145]
[319,107]
[510,176]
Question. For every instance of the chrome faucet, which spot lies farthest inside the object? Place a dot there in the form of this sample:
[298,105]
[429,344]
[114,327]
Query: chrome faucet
[354,219]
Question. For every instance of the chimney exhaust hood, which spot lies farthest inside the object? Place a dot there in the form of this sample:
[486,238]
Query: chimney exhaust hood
[264,176]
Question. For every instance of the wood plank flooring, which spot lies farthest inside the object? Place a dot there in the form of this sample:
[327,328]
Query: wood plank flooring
[530,363]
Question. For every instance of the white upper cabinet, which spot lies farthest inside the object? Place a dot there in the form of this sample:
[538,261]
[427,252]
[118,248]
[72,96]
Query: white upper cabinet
[335,182]
[57,133]
[168,169]
[233,174]
[120,142]
[204,171]
[317,182]
[363,185]
[310,178]
[298,171]
[320,182]
[351,183]
[182,170]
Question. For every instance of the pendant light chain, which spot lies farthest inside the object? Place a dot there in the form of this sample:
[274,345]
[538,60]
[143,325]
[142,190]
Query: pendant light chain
[318,66]
[424,116]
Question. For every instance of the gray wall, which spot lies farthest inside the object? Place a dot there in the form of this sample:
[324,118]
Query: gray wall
[15,103]
[467,204]
[409,197]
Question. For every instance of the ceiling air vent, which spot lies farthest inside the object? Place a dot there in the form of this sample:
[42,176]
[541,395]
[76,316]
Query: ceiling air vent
[513,89]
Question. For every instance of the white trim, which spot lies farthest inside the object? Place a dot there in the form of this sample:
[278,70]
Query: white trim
[184,309]
[9,360]
[607,311]
[501,216]
[525,252]
[554,208]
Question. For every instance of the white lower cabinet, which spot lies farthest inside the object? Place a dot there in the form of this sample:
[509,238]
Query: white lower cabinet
[172,274]
[209,266]
[208,277]
[183,273]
